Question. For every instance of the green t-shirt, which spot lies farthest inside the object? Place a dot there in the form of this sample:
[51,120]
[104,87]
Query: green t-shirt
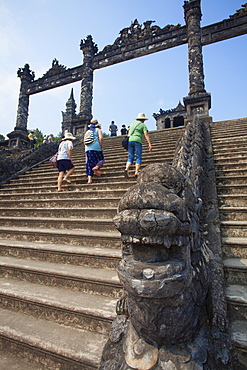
[138,133]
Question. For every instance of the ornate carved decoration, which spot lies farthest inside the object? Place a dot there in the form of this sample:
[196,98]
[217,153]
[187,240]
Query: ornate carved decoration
[55,69]
[89,44]
[137,32]
[241,11]
[26,73]
[179,108]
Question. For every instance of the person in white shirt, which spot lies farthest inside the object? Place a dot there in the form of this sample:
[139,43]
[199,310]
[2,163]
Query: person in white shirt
[64,160]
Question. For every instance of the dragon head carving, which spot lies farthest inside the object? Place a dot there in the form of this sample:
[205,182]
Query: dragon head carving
[158,220]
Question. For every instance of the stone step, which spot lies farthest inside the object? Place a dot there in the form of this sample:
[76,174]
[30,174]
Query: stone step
[50,174]
[234,133]
[53,345]
[54,222]
[108,258]
[233,200]
[123,184]
[237,179]
[236,270]
[235,229]
[104,258]
[84,279]
[238,171]
[230,151]
[232,189]
[237,301]
[238,332]
[87,193]
[72,237]
[237,159]
[233,213]
[234,247]
[10,361]
[70,308]
[66,202]
[236,142]
[98,213]
[220,139]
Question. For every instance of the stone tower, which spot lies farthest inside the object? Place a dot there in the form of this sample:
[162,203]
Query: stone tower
[70,114]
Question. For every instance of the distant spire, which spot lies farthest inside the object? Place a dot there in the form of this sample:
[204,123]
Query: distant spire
[72,94]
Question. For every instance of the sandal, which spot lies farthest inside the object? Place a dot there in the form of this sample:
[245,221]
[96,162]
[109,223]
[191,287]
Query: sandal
[126,174]
[136,174]
[64,179]
[89,182]
[96,171]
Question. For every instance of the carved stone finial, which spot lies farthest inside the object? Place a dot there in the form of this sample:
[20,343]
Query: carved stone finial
[55,68]
[89,44]
[26,73]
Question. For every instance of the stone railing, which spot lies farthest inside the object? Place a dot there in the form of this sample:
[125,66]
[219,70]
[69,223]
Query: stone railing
[173,309]
[11,168]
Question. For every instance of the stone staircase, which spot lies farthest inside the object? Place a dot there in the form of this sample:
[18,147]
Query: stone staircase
[229,140]
[58,259]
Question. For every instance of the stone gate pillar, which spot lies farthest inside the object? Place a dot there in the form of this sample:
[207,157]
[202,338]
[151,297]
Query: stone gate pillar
[18,137]
[89,48]
[198,101]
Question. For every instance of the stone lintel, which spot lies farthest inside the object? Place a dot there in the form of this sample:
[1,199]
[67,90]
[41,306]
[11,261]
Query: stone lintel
[228,28]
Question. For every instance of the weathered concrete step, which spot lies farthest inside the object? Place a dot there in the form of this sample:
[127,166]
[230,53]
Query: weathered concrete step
[231,167]
[233,213]
[123,184]
[235,229]
[220,141]
[98,213]
[237,180]
[108,258]
[232,189]
[236,270]
[234,247]
[233,200]
[53,345]
[88,192]
[76,309]
[72,237]
[10,361]
[58,223]
[238,159]
[222,135]
[76,278]
[238,332]
[235,137]
[66,202]
[237,301]
[230,151]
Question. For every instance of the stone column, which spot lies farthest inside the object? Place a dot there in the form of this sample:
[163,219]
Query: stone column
[198,101]
[89,48]
[18,137]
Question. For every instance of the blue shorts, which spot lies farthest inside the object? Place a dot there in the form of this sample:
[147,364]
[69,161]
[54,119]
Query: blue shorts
[135,148]
[64,165]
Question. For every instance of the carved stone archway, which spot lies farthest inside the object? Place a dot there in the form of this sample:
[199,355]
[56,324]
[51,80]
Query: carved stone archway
[134,41]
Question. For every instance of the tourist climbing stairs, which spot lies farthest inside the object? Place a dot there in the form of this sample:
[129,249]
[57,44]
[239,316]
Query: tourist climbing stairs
[58,257]
[229,140]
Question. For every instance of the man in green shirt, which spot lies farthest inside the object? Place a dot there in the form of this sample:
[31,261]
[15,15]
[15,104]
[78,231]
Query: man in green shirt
[136,131]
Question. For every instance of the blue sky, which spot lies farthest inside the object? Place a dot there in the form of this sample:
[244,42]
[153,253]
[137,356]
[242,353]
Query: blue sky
[37,31]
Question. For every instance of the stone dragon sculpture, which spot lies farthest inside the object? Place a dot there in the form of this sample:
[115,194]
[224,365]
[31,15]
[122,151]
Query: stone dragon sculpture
[173,311]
